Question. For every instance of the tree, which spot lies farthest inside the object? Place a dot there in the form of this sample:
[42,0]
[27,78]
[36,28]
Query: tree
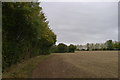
[54,49]
[88,46]
[116,45]
[62,48]
[71,48]
[119,45]
[25,31]
[109,45]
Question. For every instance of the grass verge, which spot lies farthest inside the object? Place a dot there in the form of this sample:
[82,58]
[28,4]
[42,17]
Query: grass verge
[24,69]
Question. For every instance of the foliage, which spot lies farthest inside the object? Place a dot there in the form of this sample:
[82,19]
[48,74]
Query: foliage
[62,48]
[109,45]
[87,46]
[25,32]
[71,48]
[54,49]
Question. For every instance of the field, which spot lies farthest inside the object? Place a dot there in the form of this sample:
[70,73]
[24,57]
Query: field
[81,64]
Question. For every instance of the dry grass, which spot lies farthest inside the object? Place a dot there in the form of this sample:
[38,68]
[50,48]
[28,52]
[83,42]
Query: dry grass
[24,69]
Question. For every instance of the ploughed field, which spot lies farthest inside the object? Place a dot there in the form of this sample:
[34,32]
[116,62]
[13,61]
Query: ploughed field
[81,64]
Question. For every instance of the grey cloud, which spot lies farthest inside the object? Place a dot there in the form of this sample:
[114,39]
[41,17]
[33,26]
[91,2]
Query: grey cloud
[82,22]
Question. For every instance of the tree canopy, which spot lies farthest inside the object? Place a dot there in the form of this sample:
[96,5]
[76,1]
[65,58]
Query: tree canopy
[26,32]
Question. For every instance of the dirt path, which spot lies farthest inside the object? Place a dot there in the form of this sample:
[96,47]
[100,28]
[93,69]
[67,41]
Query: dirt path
[79,65]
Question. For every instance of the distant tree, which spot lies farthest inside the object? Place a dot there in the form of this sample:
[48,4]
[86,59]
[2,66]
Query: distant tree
[109,45]
[62,48]
[115,45]
[71,48]
[119,45]
[88,46]
[54,49]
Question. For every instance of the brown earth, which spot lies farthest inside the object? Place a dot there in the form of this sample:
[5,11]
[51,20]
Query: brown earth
[81,64]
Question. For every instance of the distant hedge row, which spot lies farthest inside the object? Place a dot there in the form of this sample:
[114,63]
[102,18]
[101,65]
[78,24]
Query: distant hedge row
[25,31]
[63,48]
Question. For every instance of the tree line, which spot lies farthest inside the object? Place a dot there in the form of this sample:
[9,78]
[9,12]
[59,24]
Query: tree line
[63,48]
[108,45]
[25,32]
[112,45]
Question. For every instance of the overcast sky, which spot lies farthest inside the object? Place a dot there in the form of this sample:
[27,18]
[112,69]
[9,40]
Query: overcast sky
[82,22]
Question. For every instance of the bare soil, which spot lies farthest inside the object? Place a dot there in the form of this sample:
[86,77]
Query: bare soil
[81,64]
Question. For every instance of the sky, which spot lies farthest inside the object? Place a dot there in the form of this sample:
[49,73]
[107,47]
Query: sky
[82,22]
